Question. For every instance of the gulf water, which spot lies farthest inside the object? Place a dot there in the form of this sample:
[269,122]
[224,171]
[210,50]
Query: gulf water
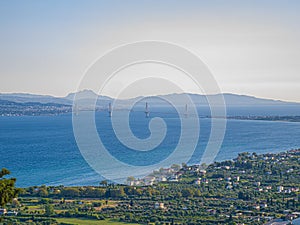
[42,149]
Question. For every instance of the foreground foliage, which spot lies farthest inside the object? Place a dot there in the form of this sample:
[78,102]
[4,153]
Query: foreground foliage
[251,189]
[7,188]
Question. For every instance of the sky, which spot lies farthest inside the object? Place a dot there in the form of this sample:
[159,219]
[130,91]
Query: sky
[250,47]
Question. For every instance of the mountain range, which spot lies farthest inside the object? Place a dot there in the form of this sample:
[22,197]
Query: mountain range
[16,103]
[86,95]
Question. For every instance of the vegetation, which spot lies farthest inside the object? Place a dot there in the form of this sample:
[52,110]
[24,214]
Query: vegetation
[251,189]
[7,188]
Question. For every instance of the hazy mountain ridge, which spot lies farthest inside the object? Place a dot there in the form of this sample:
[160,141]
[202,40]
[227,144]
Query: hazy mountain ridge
[236,105]
[88,97]
[23,98]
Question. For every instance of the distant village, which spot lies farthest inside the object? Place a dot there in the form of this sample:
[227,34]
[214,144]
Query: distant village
[240,175]
[250,189]
[9,108]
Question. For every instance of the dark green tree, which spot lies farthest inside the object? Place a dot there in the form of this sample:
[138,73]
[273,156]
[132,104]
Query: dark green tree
[104,183]
[187,192]
[49,210]
[7,188]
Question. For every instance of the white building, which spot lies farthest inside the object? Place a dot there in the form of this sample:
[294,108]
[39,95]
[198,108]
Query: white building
[159,205]
[3,211]
[280,189]
[198,181]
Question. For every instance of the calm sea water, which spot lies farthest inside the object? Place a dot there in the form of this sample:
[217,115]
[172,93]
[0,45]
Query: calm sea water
[43,150]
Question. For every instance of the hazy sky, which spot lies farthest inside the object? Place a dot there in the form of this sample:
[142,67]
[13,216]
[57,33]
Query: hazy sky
[251,47]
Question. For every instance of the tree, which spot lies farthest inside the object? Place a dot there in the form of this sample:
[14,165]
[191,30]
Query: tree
[49,210]
[70,192]
[43,192]
[197,193]
[175,167]
[187,192]
[129,217]
[7,188]
[104,183]
[116,193]
[130,180]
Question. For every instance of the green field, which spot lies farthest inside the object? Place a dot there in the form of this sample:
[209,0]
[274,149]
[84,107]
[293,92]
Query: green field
[91,222]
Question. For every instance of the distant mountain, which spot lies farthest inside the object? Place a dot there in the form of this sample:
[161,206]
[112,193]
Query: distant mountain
[22,98]
[87,97]
[239,100]
[85,94]
[231,100]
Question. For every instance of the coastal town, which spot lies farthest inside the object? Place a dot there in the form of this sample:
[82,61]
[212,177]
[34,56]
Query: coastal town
[10,108]
[250,189]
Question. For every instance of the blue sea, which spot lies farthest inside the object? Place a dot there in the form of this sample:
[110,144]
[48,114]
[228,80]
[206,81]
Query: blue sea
[42,149]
